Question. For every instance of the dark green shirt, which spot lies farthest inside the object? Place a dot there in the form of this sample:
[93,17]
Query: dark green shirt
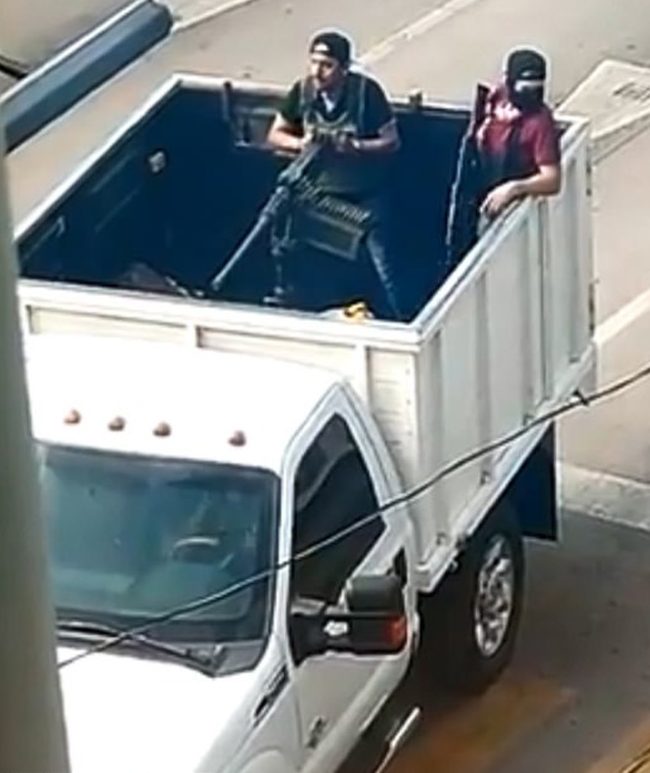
[362,109]
[376,111]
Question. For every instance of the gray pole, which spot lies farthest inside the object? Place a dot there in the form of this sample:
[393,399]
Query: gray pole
[32,738]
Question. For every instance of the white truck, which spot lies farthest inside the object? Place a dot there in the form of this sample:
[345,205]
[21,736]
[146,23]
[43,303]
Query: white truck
[262,458]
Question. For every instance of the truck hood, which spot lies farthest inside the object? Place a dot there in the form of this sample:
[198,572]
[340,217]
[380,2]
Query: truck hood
[125,713]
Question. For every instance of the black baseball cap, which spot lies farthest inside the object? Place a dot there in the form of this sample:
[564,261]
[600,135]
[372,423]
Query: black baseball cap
[525,64]
[332,44]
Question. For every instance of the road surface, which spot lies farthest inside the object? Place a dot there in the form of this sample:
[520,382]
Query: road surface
[31,30]
[577,697]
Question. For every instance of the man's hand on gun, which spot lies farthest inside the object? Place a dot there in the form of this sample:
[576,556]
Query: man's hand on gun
[346,143]
[341,142]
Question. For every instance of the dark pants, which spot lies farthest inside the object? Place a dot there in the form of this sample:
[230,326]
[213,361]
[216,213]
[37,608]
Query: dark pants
[378,264]
[371,277]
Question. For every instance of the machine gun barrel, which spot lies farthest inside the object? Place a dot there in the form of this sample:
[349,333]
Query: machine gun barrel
[467,188]
[287,182]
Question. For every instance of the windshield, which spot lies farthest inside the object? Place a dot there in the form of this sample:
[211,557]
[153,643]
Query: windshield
[131,537]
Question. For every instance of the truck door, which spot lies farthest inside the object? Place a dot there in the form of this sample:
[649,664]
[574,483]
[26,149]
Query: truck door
[334,487]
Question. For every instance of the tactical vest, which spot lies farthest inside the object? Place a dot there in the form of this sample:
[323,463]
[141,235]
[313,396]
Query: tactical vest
[337,173]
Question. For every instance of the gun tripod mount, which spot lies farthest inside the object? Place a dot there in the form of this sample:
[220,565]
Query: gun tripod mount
[273,214]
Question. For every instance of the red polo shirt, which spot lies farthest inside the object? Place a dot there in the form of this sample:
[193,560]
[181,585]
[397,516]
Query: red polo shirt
[539,139]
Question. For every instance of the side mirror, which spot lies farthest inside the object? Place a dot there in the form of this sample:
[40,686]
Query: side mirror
[374,622]
[377,615]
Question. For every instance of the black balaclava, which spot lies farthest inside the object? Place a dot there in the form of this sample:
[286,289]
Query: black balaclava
[525,79]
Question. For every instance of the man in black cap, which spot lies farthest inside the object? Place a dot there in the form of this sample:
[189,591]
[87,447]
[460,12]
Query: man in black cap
[519,141]
[354,112]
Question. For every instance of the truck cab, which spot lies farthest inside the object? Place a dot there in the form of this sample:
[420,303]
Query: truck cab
[171,475]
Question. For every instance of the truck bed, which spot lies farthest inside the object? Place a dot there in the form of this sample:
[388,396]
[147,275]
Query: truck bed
[507,337]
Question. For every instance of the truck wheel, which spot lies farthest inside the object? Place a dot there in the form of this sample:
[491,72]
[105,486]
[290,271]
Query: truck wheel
[473,625]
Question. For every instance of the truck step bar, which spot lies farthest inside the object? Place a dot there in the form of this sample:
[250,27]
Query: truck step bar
[400,736]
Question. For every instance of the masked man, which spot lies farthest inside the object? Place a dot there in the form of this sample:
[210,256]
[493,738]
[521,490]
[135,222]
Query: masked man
[519,141]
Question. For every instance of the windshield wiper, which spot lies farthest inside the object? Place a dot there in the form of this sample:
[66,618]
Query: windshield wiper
[206,663]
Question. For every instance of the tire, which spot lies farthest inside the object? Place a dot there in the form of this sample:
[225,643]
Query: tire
[469,636]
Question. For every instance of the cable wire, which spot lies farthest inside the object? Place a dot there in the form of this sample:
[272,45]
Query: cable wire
[13,68]
[578,400]
[640,764]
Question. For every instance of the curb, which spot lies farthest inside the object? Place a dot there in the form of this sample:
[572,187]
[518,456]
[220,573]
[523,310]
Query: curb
[605,496]
[608,141]
[183,23]
[615,96]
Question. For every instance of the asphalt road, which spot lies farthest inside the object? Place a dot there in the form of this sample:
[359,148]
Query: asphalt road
[577,697]
[445,58]
[31,30]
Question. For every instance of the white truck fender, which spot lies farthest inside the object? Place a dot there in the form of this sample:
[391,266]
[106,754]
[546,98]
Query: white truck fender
[269,762]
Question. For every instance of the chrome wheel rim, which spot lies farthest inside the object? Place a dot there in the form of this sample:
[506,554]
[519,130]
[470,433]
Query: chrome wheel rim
[494,602]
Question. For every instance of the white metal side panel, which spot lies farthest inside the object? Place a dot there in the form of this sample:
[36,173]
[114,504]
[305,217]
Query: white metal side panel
[431,507]
[385,380]
[45,319]
[462,401]
[504,320]
[584,311]
[508,338]
[558,281]
[532,332]
[382,375]
[565,282]
[344,359]
[393,403]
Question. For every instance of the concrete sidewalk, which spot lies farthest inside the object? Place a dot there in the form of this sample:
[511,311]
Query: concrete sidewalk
[605,496]
[193,11]
[613,437]
[616,97]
